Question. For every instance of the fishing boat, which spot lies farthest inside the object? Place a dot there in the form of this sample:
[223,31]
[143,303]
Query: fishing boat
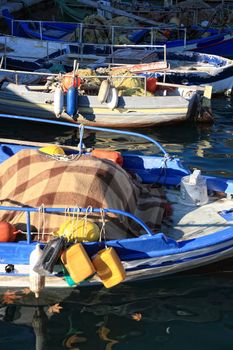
[92,103]
[170,219]
[209,40]
[38,29]
[190,68]
[206,40]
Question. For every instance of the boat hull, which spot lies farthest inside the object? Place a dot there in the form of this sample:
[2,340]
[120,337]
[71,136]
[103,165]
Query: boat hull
[136,270]
[133,111]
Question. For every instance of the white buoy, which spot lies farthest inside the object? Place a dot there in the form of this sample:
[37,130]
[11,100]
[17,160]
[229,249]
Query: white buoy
[58,101]
[112,99]
[36,281]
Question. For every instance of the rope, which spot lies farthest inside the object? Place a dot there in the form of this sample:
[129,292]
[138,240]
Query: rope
[41,223]
[102,230]
[81,133]
[88,211]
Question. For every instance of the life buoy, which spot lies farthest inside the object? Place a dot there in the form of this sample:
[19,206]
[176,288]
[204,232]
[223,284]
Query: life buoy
[72,101]
[151,84]
[114,156]
[58,101]
[112,99]
[104,91]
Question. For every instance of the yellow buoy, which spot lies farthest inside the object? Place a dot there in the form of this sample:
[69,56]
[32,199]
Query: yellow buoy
[52,150]
[79,230]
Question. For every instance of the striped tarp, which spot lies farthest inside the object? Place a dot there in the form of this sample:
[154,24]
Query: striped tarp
[31,178]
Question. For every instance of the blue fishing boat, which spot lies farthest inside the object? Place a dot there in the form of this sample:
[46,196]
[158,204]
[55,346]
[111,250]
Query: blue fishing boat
[170,220]
[43,30]
[208,40]
[205,40]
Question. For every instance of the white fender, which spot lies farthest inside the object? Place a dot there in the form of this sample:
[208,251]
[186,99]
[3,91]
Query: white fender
[36,281]
[103,91]
[58,101]
[112,99]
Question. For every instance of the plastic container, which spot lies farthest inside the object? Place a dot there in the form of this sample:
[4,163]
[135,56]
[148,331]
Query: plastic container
[50,255]
[193,189]
[79,230]
[109,267]
[77,263]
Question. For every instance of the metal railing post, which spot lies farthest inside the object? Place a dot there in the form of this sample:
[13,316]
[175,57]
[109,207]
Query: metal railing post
[41,34]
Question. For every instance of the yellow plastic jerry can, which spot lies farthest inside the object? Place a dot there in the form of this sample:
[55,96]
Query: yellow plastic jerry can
[109,267]
[77,263]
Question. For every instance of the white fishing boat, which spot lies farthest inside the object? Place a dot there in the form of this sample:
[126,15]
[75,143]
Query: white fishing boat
[169,104]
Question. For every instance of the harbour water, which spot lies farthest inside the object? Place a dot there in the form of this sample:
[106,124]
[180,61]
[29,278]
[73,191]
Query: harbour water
[189,311]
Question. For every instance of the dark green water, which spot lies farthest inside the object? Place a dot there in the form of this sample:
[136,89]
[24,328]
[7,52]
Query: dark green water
[178,312]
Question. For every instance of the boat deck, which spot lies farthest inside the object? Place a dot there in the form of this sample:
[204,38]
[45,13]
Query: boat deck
[192,66]
[16,47]
[188,222]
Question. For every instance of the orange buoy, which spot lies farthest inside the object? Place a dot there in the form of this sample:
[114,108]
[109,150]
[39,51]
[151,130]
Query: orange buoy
[7,232]
[69,80]
[114,156]
[151,84]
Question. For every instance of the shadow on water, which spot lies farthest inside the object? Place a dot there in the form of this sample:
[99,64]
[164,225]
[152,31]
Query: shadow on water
[162,314]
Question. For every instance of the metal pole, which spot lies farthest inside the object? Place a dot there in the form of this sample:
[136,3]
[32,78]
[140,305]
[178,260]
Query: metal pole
[41,35]
[28,227]
[5,52]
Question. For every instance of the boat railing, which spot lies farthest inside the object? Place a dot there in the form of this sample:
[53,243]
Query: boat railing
[49,46]
[63,48]
[72,211]
[101,77]
[112,77]
[112,31]
[82,127]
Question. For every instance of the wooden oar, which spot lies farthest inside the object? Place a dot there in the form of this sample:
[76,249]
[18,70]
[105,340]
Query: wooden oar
[36,144]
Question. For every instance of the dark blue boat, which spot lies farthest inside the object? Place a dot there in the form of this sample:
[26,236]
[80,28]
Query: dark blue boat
[42,30]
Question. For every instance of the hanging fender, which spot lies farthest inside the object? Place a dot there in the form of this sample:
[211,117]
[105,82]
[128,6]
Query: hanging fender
[58,101]
[72,101]
[104,91]
[112,99]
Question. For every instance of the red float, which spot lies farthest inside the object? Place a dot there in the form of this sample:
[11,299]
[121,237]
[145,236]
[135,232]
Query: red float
[7,232]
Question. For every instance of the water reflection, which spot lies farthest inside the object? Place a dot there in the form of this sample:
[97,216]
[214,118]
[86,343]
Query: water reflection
[170,309]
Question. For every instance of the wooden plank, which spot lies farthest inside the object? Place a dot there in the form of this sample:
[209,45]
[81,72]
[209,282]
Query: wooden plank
[37,144]
[190,87]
